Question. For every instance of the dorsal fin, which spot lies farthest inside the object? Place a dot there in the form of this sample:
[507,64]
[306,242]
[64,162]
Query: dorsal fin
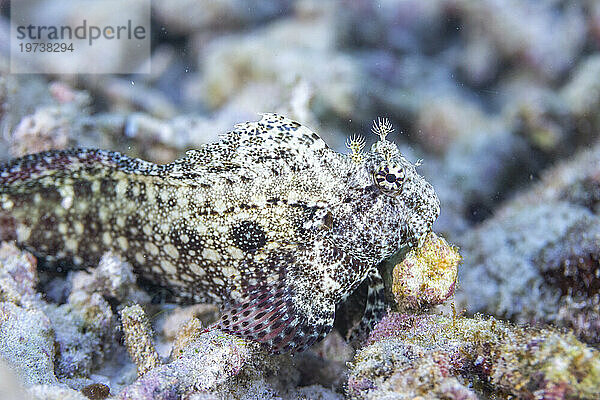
[273,145]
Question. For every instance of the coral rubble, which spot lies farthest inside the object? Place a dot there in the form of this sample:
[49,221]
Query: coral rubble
[138,338]
[465,358]
[427,275]
[537,259]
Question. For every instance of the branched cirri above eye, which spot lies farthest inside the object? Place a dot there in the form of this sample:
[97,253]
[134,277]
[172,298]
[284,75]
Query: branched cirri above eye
[389,178]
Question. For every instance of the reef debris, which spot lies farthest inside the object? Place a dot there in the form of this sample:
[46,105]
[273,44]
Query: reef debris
[427,274]
[537,260]
[465,358]
[138,338]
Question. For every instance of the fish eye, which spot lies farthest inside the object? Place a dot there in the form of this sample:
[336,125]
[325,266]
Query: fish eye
[389,178]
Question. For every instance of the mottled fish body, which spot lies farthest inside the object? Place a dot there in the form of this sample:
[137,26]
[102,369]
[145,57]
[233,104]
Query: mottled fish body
[269,222]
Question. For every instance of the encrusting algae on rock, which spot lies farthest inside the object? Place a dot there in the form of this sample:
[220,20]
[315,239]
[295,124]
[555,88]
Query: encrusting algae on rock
[469,358]
[418,354]
[427,275]
[138,338]
[455,357]
[49,344]
[537,258]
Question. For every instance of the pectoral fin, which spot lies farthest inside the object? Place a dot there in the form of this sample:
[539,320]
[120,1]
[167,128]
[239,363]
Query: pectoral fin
[272,317]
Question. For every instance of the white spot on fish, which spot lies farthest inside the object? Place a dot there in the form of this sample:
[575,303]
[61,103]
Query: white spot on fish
[67,202]
[151,248]
[171,250]
[122,242]
[211,255]
[168,267]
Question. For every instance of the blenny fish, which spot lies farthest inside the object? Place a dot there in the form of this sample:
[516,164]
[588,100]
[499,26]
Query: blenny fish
[269,222]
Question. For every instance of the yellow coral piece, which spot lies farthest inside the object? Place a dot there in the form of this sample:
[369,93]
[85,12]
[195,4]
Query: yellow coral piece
[427,275]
